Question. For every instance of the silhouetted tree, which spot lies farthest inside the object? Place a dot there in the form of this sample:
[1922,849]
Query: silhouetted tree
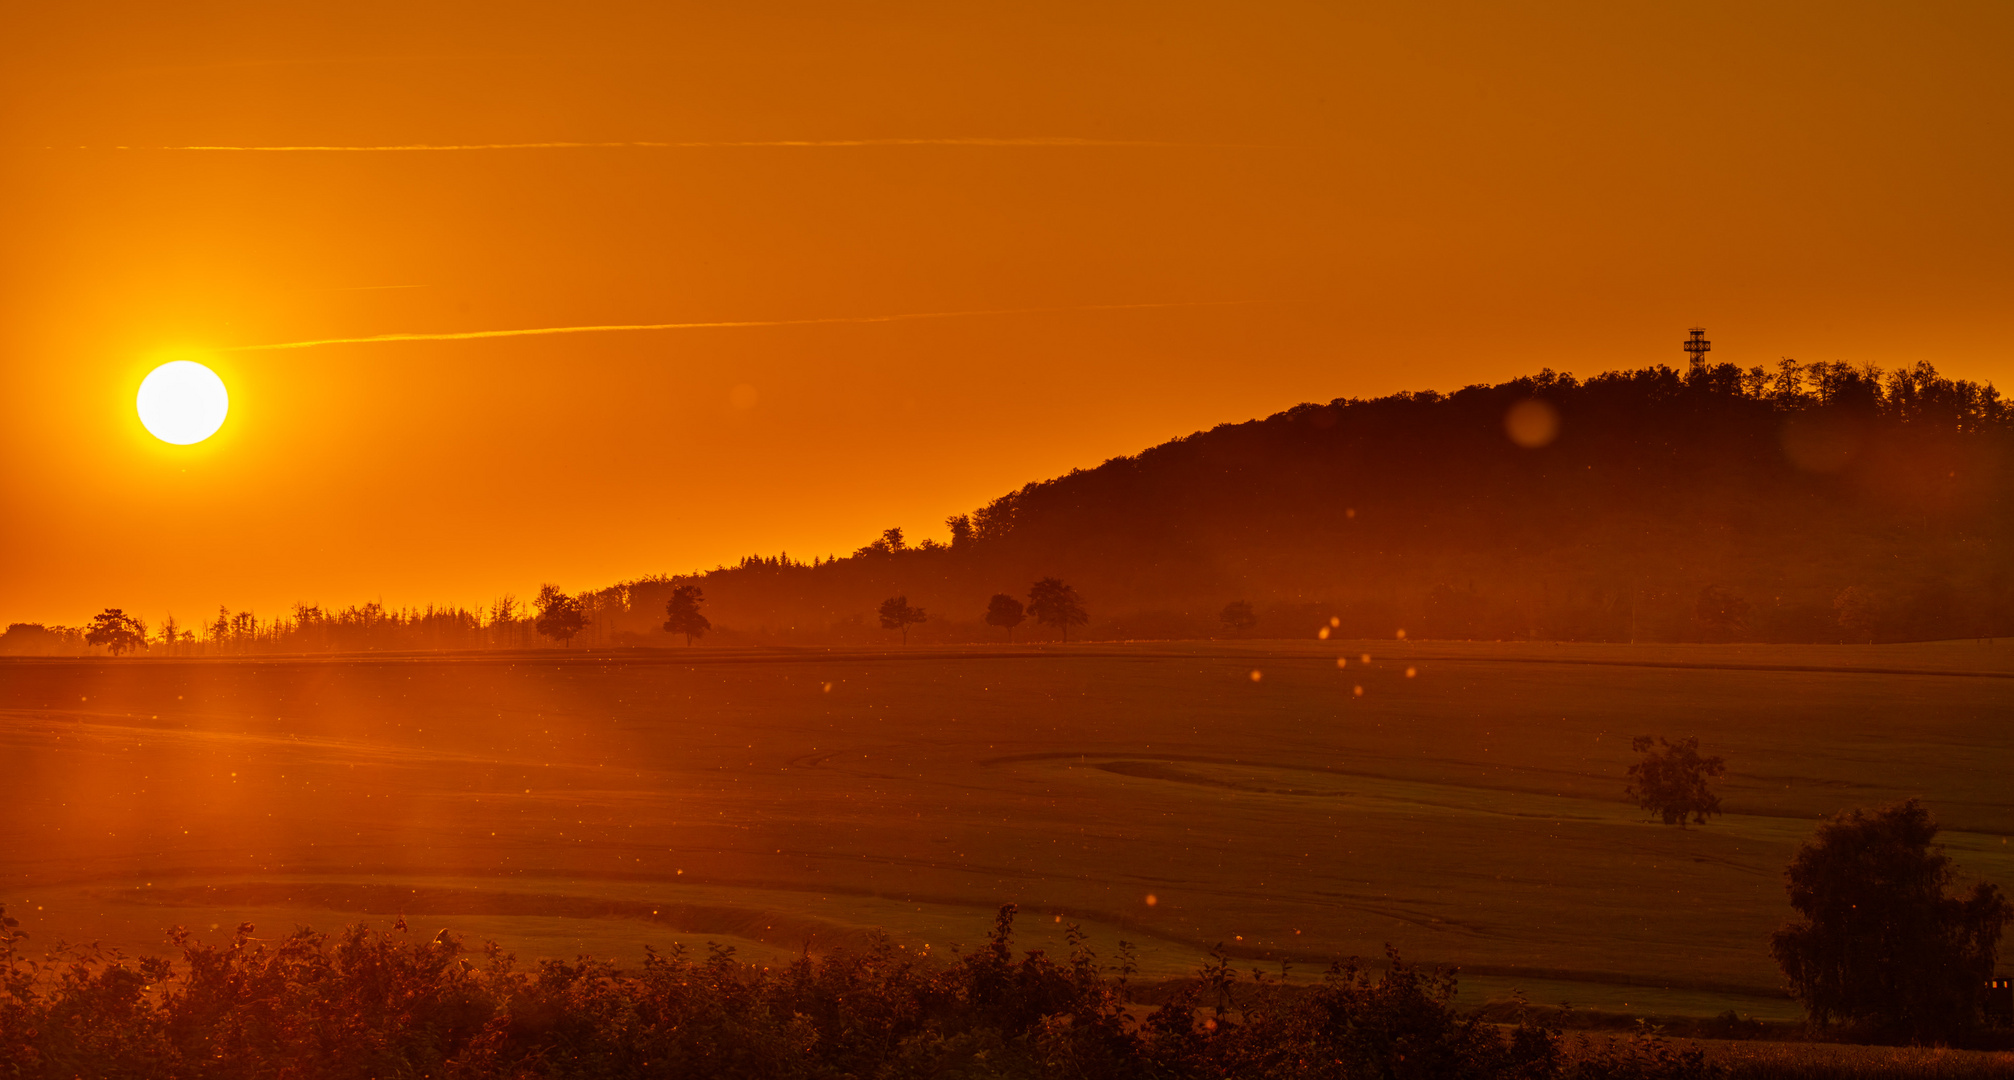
[1056,604]
[896,614]
[681,613]
[961,529]
[888,543]
[117,631]
[1671,779]
[1238,616]
[1721,612]
[504,618]
[1005,612]
[996,520]
[559,615]
[1879,941]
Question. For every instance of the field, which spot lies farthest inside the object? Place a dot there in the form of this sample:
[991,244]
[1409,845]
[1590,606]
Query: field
[1465,807]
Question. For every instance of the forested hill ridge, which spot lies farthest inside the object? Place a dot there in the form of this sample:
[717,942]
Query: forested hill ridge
[1818,502]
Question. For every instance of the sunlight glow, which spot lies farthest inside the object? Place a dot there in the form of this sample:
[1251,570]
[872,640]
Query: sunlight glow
[183,402]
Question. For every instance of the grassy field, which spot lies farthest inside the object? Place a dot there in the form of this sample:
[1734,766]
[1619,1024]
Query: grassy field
[1464,807]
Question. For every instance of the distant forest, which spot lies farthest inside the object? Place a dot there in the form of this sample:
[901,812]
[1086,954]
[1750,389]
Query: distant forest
[1814,503]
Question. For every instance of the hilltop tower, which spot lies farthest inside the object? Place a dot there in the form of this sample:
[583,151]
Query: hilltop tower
[1697,346]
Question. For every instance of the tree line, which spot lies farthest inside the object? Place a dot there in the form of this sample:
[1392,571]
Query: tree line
[552,618]
[307,628]
[1052,602]
[553,615]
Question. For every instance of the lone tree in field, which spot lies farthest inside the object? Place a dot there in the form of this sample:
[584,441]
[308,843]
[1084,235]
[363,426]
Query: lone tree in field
[896,614]
[1879,942]
[1056,604]
[1238,616]
[681,613]
[1671,779]
[1005,612]
[116,630]
[559,615]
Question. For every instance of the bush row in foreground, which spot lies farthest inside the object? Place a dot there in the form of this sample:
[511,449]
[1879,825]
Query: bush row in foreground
[369,1004]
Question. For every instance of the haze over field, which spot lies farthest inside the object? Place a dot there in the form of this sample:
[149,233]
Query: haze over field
[1465,807]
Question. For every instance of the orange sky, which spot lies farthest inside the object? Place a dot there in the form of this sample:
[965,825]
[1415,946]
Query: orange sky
[1347,201]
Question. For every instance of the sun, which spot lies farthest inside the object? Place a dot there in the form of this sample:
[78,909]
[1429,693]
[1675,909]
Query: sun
[183,402]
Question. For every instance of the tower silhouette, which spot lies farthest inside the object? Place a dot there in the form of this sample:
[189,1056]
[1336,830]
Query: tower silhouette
[1697,345]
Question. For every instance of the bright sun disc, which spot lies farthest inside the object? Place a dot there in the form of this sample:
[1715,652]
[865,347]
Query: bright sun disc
[183,402]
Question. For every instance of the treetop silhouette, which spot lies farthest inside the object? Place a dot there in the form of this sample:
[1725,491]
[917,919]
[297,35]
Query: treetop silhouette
[559,615]
[1055,604]
[1005,612]
[682,615]
[896,614]
[117,631]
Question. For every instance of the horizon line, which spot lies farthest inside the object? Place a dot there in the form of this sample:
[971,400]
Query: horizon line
[541,331]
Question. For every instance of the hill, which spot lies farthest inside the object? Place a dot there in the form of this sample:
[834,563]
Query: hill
[1820,503]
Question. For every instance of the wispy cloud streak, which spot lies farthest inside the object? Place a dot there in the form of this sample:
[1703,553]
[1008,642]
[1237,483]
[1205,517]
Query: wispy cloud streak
[541,331]
[752,143]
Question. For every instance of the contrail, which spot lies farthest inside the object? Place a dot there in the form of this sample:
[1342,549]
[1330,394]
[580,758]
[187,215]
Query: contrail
[414,147]
[470,335]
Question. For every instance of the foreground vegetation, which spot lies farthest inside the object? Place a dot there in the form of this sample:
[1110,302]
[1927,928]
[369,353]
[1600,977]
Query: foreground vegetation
[371,1004]
[367,1004]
